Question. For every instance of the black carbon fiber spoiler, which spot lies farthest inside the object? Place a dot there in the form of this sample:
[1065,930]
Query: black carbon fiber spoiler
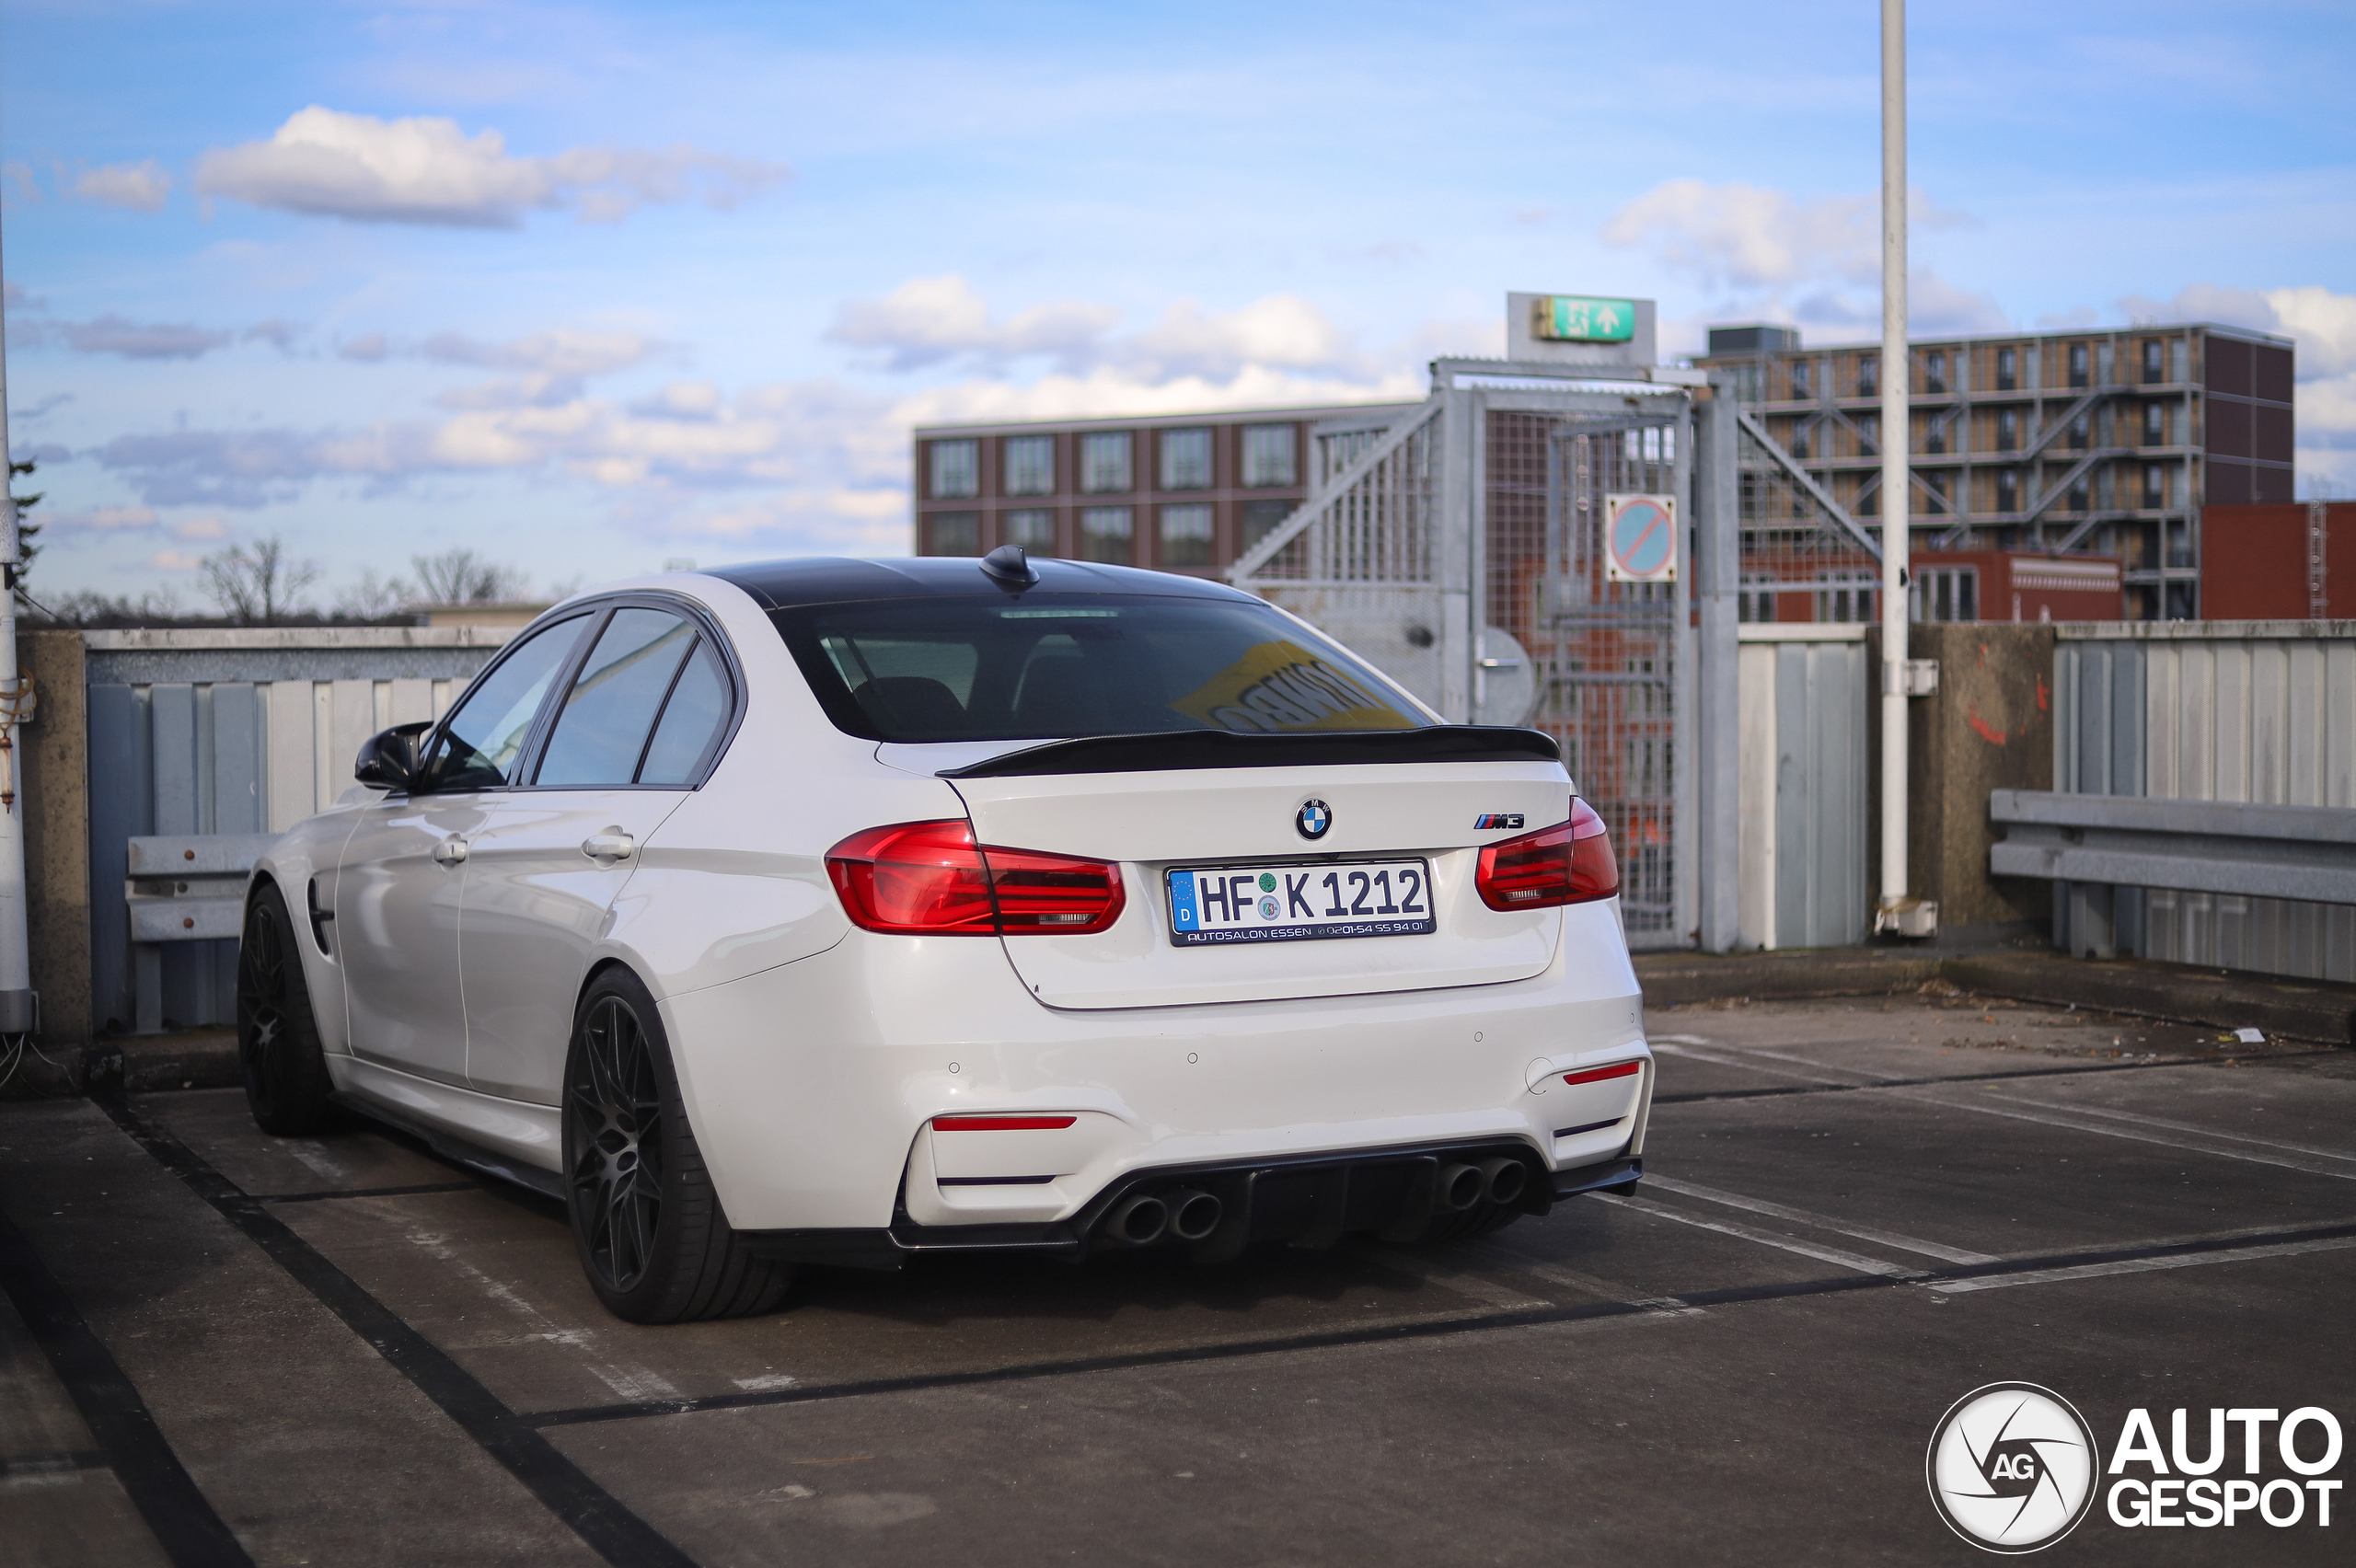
[1182,749]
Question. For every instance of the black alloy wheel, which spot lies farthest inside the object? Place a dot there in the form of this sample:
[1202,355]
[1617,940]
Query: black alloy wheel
[285,1070]
[616,1168]
[653,1239]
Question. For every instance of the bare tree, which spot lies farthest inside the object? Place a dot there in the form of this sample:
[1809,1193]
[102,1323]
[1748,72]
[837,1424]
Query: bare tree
[459,576]
[256,585]
[374,598]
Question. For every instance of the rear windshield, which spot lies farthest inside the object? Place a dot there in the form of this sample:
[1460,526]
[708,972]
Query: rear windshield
[1060,666]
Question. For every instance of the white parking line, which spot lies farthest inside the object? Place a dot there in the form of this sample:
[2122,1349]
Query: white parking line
[2179,1126]
[627,1381]
[2057,1116]
[1822,1222]
[2143,1265]
[1857,1261]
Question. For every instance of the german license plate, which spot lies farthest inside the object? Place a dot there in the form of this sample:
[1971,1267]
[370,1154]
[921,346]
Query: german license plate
[1221,905]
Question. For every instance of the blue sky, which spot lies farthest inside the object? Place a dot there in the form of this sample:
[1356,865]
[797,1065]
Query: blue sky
[592,287]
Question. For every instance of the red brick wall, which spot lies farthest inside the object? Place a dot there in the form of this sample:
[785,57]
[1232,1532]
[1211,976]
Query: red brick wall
[2254,561]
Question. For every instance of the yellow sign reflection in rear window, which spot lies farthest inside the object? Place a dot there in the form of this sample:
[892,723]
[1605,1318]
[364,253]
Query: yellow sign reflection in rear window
[1282,687]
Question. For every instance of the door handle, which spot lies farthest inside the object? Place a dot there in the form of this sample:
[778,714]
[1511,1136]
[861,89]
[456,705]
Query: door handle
[608,847]
[450,851]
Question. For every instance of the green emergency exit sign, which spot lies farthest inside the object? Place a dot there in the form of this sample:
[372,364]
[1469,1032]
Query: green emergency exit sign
[1576,319]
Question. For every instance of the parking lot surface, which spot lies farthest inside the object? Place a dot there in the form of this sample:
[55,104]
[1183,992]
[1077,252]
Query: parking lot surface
[217,1346]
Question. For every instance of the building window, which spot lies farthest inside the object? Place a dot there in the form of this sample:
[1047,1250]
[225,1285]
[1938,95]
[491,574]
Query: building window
[2077,365]
[2154,359]
[1846,606]
[1800,388]
[2155,486]
[2155,424]
[1934,488]
[1798,445]
[956,469]
[2078,433]
[2008,429]
[1934,436]
[1032,527]
[1030,462]
[1104,467]
[953,533]
[1868,434]
[1186,534]
[1261,518]
[1106,533]
[1185,459]
[2008,369]
[2078,497]
[1269,456]
[1943,594]
[2008,490]
[1935,372]
[1869,376]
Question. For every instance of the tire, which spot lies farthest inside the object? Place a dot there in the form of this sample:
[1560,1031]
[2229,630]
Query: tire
[287,1085]
[646,1222]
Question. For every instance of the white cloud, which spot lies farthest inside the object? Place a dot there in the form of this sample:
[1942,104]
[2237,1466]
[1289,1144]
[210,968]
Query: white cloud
[142,341]
[197,528]
[563,351]
[2323,323]
[142,186]
[426,170]
[173,560]
[1813,261]
[929,321]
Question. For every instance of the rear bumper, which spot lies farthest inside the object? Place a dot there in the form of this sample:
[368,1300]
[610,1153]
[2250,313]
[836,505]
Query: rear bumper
[813,1086]
[1311,1201]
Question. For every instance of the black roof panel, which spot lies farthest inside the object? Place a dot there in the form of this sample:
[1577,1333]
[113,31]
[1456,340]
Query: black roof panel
[827,580]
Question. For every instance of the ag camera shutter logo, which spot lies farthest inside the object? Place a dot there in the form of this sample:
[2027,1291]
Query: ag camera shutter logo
[2012,1467]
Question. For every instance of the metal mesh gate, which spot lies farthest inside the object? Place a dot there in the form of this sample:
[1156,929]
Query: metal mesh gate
[1462,550]
[1605,655]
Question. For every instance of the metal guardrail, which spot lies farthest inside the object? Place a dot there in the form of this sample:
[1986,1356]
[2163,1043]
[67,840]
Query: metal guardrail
[190,889]
[2225,847]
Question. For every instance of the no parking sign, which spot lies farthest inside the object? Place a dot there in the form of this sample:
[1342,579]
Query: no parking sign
[1640,538]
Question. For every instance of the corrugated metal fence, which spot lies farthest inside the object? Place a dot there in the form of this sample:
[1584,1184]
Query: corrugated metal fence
[2261,711]
[1801,757]
[210,731]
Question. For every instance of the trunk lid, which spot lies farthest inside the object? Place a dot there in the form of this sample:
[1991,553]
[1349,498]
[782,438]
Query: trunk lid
[1245,817]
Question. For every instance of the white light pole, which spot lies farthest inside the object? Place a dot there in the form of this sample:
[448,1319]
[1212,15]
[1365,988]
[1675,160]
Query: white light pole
[1896,434]
[16,961]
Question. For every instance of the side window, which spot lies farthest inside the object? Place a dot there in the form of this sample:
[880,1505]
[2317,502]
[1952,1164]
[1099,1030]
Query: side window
[476,747]
[608,714]
[691,721]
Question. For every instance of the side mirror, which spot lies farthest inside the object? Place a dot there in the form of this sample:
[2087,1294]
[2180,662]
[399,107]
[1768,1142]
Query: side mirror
[388,760]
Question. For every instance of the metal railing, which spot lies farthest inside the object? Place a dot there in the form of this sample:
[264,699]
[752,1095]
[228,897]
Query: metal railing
[2214,846]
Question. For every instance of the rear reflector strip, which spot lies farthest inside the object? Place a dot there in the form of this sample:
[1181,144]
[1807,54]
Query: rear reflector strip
[1001,1123]
[1597,1075]
[992,1181]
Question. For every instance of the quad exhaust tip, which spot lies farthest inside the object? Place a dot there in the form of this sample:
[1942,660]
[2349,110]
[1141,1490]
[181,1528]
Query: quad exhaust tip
[1140,1221]
[1194,1216]
[1462,1186]
[1503,1180]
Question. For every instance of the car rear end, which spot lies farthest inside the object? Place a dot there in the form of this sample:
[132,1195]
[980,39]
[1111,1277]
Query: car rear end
[1298,963]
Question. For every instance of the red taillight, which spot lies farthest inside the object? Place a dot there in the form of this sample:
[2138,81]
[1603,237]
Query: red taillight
[930,878]
[1597,1075]
[1568,863]
[1001,1123]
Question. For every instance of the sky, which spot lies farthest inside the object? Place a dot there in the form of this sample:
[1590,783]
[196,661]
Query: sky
[596,288]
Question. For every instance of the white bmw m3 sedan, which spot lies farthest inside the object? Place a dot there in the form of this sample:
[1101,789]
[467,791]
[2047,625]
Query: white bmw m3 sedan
[836,911]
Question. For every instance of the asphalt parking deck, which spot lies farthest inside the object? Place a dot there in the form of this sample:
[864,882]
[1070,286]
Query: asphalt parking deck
[220,1347]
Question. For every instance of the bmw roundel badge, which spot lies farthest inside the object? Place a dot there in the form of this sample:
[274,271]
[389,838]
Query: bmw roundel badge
[1313,818]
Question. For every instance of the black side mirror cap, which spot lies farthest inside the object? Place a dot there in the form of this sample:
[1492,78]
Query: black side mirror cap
[387,760]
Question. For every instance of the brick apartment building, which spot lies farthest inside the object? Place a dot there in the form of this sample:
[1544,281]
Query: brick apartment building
[1184,492]
[2106,442]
